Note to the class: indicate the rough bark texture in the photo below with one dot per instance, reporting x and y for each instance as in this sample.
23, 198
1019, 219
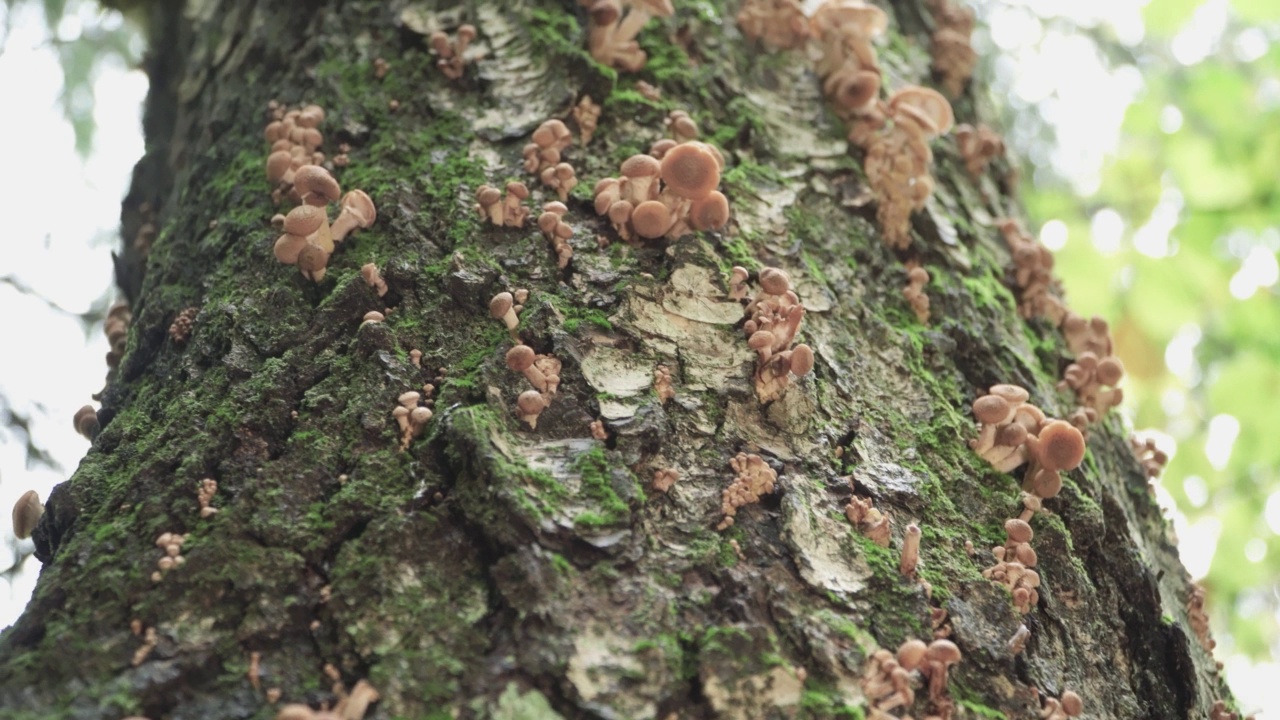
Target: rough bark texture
490, 571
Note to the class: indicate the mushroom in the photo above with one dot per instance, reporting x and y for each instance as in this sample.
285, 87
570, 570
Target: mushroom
315, 186
311, 223
502, 307
529, 406
521, 359
910, 551
26, 513
357, 211
312, 261
690, 170
1059, 446
86, 422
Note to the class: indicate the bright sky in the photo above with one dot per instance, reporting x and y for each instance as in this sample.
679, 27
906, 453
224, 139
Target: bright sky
60, 227
62, 211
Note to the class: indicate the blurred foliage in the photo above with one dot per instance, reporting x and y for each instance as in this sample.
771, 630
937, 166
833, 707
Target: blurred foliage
1185, 227
85, 37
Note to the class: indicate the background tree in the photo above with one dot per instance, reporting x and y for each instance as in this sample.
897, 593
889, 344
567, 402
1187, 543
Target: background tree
494, 568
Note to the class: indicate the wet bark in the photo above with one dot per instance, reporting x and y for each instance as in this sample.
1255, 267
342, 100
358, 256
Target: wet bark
494, 571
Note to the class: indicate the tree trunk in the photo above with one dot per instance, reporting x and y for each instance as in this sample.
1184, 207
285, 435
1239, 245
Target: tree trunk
493, 571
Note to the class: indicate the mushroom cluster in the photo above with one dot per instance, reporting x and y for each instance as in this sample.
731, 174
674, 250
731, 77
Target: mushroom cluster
1094, 381
295, 139
847, 63
1013, 432
411, 416
953, 57
779, 24
587, 114
888, 680
868, 519
664, 478
978, 146
614, 25
451, 54
26, 514
204, 496
917, 278
171, 543
1198, 617
503, 210
738, 288
543, 373
667, 197
308, 238
554, 228
1014, 561
898, 158
543, 151
1039, 292
1068, 706
180, 328
1151, 458
754, 478
773, 319
116, 328
662, 385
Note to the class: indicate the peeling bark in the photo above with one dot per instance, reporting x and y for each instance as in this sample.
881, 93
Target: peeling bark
496, 572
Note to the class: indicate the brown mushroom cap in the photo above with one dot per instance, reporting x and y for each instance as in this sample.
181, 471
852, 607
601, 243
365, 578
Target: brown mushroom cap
775, 281
1072, 705
605, 12
500, 304
710, 212
1061, 446
760, 340
531, 402
520, 358
928, 102
1018, 530
304, 220
651, 219
801, 359
278, 163
1012, 393
487, 195
549, 132
288, 247
313, 259
912, 653
361, 205
991, 409
856, 91
26, 513
690, 170
638, 166
518, 189
1110, 370
1011, 435
316, 186
944, 651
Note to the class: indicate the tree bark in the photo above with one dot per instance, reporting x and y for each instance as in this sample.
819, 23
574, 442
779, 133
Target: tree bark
491, 571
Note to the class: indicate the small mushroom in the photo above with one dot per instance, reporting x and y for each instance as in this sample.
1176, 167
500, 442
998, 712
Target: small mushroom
357, 211
502, 307
521, 359
26, 514
529, 406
